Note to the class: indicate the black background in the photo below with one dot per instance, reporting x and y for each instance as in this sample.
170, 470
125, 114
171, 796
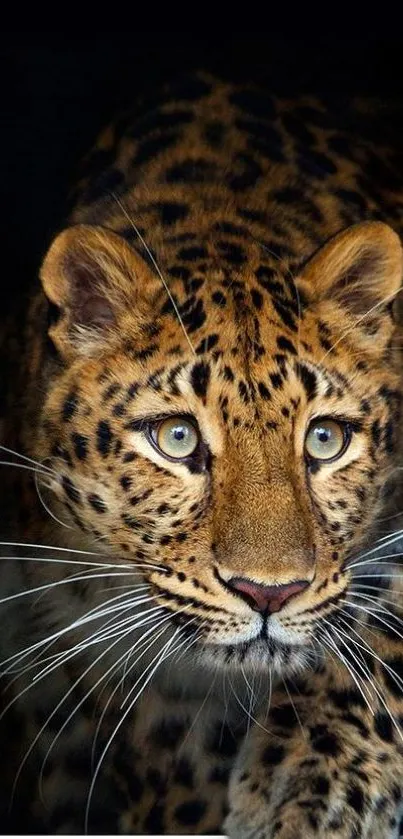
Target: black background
58, 92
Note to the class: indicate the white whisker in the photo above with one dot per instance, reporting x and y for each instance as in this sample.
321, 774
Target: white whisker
372, 680
86, 696
153, 668
27, 459
367, 648
157, 268
44, 505
344, 334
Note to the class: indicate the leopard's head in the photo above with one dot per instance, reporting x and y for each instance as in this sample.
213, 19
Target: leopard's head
234, 438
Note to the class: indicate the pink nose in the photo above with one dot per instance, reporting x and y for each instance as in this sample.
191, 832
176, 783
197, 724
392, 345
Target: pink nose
266, 598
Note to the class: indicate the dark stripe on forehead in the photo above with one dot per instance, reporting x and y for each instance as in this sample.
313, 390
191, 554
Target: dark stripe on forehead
199, 379
308, 380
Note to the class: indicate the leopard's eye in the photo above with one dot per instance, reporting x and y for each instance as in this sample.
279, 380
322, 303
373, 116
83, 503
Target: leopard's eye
176, 438
326, 439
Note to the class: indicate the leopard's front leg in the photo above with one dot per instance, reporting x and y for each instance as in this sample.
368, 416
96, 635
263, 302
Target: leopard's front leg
323, 765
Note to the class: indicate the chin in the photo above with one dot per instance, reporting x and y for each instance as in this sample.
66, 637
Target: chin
259, 655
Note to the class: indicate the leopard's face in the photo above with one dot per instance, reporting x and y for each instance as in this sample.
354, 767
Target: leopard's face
244, 474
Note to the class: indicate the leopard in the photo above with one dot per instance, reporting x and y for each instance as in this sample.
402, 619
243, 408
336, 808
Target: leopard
203, 398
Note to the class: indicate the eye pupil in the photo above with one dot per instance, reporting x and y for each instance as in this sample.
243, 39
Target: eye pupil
175, 438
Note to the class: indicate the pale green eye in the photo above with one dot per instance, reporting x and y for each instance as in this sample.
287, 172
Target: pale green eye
326, 439
176, 438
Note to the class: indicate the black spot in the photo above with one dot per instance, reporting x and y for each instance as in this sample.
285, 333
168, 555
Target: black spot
267, 278
264, 391
133, 390
383, 726
219, 298
286, 345
231, 252
97, 503
345, 698
389, 443
228, 374
80, 444
110, 391
219, 775
320, 785
71, 490
355, 798
119, 410
154, 822
352, 719
192, 254
308, 379
70, 406
223, 742
129, 457
324, 741
297, 198
199, 378
183, 773
284, 716
231, 228
207, 344
146, 353
171, 211
104, 438
195, 317
243, 392
273, 755
283, 310
257, 298
148, 149
245, 173
276, 380
191, 812
131, 522
192, 171
263, 138
353, 199
317, 164
59, 451
168, 733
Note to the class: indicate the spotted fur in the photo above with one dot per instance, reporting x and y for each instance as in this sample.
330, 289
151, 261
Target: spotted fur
235, 259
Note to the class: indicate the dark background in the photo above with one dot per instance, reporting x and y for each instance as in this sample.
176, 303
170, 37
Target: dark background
58, 92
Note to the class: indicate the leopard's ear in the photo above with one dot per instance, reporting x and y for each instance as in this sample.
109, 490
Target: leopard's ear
360, 269
93, 278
